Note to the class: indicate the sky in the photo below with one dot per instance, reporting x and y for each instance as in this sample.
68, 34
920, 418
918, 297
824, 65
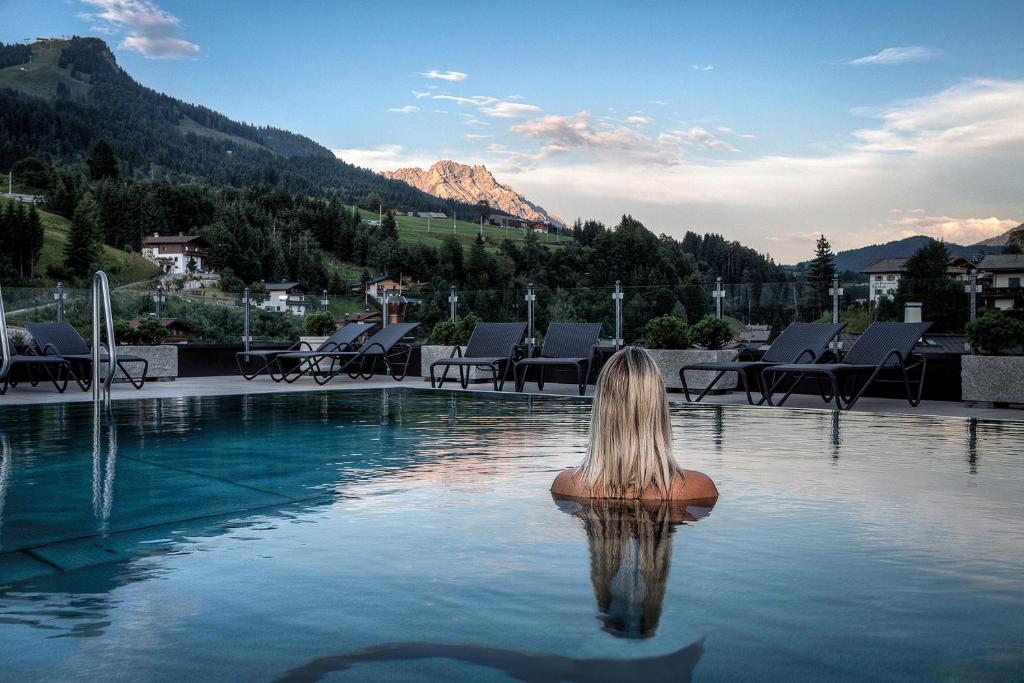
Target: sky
767, 122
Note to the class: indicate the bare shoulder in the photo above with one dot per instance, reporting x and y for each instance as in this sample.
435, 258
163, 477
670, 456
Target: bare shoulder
567, 483
694, 485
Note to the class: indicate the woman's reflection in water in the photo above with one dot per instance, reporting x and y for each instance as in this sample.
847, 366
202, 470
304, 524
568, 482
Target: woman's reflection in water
630, 555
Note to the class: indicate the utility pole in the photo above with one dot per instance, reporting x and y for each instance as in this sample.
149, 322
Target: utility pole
428, 222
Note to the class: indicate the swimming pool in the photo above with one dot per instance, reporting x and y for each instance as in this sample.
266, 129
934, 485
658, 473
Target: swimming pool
409, 535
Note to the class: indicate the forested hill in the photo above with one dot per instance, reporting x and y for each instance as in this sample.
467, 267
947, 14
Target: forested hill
57, 97
857, 259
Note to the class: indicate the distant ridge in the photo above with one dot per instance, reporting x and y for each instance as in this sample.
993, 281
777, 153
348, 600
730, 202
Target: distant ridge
857, 259
451, 180
1000, 240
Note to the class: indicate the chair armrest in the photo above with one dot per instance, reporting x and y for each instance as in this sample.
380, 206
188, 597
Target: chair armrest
297, 346
56, 351
808, 352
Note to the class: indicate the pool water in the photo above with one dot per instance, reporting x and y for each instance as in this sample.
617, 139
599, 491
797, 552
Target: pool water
410, 535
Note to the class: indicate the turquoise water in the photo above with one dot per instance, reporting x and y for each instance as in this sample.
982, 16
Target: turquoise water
410, 535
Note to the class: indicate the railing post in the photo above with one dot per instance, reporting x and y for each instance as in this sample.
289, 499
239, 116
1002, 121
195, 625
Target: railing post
835, 291
325, 301
158, 299
5, 342
247, 319
384, 308
453, 304
59, 296
101, 297
719, 295
617, 298
530, 298
972, 290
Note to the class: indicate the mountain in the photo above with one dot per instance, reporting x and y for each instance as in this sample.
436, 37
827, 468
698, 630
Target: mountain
57, 97
857, 259
1000, 240
452, 180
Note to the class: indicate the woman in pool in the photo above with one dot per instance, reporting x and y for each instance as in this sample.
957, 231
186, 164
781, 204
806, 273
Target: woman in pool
630, 453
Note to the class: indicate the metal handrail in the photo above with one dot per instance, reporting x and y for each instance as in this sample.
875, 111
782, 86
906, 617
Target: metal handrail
101, 288
5, 342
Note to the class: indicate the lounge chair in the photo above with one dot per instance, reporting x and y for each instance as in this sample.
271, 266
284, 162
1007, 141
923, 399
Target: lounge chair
384, 345
565, 345
798, 343
883, 346
63, 340
56, 368
343, 339
491, 346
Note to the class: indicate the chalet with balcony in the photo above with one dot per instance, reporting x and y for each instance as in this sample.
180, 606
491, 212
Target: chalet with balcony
285, 297
1003, 275
884, 275
177, 254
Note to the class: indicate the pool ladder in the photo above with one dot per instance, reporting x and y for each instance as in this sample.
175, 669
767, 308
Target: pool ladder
101, 295
5, 342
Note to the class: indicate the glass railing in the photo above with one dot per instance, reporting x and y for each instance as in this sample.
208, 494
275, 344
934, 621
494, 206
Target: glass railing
213, 316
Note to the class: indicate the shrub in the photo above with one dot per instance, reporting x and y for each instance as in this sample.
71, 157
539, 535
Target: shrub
448, 333
995, 333
666, 332
710, 333
149, 332
320, 324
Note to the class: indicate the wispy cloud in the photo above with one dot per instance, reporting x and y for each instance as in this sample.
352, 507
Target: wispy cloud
510, 110
474, 122
407, 109
419, 94
475, 100
660, 103
949, 228
638, 120
730, 131
444, 75
146, 29
477, 136
897, 55
702, 67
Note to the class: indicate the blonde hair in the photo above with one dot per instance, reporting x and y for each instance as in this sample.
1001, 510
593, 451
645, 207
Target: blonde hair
630, 432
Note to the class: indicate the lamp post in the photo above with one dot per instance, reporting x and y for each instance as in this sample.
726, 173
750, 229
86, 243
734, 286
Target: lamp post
719, 295
617, 297
325, 301
247, 320
60, 296
384, 308
453, 303
158, 299
835, 291
531, 297
973, 289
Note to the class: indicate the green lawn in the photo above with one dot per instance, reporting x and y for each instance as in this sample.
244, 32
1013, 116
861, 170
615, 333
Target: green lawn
121, 267
413, 230
41, 75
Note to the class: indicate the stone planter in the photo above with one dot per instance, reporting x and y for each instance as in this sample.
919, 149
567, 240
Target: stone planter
988, 380
314, 342
669, 361
432, 353
163, 362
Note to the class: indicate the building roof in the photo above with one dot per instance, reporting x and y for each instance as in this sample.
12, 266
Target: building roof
381, 278
278, 286
173, 239
1003, 262
886, 265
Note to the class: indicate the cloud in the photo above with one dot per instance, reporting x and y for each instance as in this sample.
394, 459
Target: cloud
474, 122
954, 156
639, 120
407, 109
444, 75
695, 137
660, 103
702, 67
897, 55
730, 131
950, 229
420, 94
510, 110
150, 31
477, 136
475, 100
385, 157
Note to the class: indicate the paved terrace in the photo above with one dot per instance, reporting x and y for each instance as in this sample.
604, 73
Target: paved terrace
228, 385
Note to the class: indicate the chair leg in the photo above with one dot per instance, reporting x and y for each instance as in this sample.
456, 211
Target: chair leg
504, 375
579, 380
519, 377
540, 378
746, 386
711, 384
682, 380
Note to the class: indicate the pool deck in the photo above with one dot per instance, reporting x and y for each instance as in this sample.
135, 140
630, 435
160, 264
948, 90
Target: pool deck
229, 385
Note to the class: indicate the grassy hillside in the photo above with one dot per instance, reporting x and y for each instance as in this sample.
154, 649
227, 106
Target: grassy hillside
40, 76
121, 267
413, 230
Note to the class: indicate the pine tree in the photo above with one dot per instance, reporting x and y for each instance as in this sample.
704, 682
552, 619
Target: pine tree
35, 235
821, 273
82, 249
102, 162
389, 227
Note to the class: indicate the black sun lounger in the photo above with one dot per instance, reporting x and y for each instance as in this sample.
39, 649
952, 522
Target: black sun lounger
343, 339
565, 345
63, 340
385, 345
882, 347
491, 346
799, 343
27, 365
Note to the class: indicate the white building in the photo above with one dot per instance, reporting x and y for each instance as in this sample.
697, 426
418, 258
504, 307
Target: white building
285, 297
884, 277
177, 254
1004, 275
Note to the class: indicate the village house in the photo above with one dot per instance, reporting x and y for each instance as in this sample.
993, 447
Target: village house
285, 297
884, 274
378, 284
177, 254
1003, 275
177, 330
